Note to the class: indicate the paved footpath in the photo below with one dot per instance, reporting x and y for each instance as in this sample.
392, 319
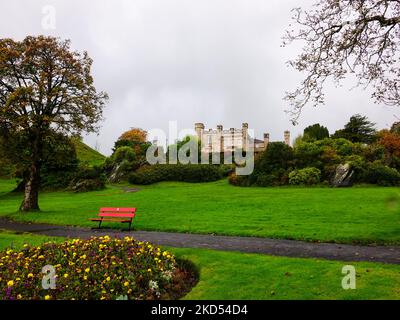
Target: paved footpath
275, 247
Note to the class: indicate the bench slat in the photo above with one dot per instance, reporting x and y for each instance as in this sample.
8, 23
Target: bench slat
122, 210
112, 214
110, 220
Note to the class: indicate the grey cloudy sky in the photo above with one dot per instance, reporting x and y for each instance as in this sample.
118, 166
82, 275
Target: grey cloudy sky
211, 61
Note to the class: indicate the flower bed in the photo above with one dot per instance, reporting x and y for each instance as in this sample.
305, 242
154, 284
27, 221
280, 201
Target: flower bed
101, 268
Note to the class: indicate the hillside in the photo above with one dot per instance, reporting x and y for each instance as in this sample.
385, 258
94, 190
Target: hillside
87, 154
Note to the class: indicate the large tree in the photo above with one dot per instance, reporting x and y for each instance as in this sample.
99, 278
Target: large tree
45, 87
342, 37
358, 129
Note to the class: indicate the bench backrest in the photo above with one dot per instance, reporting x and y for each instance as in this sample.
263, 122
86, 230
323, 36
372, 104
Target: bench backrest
117, 212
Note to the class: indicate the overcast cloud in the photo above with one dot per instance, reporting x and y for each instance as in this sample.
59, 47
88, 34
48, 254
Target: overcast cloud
211, 61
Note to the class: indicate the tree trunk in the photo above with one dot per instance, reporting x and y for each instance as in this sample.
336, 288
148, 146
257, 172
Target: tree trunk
31, 194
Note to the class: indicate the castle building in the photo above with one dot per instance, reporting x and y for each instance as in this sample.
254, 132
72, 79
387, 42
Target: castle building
227, 140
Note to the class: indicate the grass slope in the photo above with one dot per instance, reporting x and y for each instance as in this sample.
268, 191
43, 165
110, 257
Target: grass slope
364, 215
87, 154
231, 275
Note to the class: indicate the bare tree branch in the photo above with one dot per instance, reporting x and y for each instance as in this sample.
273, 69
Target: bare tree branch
342, 37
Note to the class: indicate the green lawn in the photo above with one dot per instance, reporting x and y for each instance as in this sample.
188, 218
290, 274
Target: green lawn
231, 275
363, 214
10, 239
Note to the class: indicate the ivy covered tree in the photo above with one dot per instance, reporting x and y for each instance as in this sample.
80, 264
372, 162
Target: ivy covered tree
358, 129
45, 88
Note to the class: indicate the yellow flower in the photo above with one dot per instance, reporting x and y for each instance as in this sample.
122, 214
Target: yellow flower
149, 270
126, 283
66, 275
103, 298
84, 277
10, 283
47, 297
87, 270
108, 279
19, 297
41, 257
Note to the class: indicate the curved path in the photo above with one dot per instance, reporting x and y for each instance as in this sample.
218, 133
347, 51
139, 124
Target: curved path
276, 247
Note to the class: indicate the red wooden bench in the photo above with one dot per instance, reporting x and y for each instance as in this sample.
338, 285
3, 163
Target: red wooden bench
124, 215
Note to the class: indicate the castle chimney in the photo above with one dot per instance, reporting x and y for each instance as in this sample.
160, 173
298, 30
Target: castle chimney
287, 137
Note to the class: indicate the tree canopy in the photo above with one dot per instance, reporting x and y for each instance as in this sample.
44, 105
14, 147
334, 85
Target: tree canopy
315, 132
358, 129
45, 88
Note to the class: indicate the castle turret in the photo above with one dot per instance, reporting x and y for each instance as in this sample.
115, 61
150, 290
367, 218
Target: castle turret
245, 135
266, 140
287, 137
199, 128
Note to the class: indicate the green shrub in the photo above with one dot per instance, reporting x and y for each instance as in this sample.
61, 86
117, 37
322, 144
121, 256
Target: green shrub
124, 153
56, 179
359, 165
88, 179
178, 172
121, 164
307, 176
240, 181
377, 173
266, 180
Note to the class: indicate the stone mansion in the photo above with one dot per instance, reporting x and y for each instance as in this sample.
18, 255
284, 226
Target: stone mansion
223, 140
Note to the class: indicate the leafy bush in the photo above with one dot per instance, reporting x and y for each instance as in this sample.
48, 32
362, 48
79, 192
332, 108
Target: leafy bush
307, 176
96, 269
266, 180
7, 169
240, 181
342, 146
88, 179
308, 154
60, 163
124, 154
377, 173
122, 163
178, 172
